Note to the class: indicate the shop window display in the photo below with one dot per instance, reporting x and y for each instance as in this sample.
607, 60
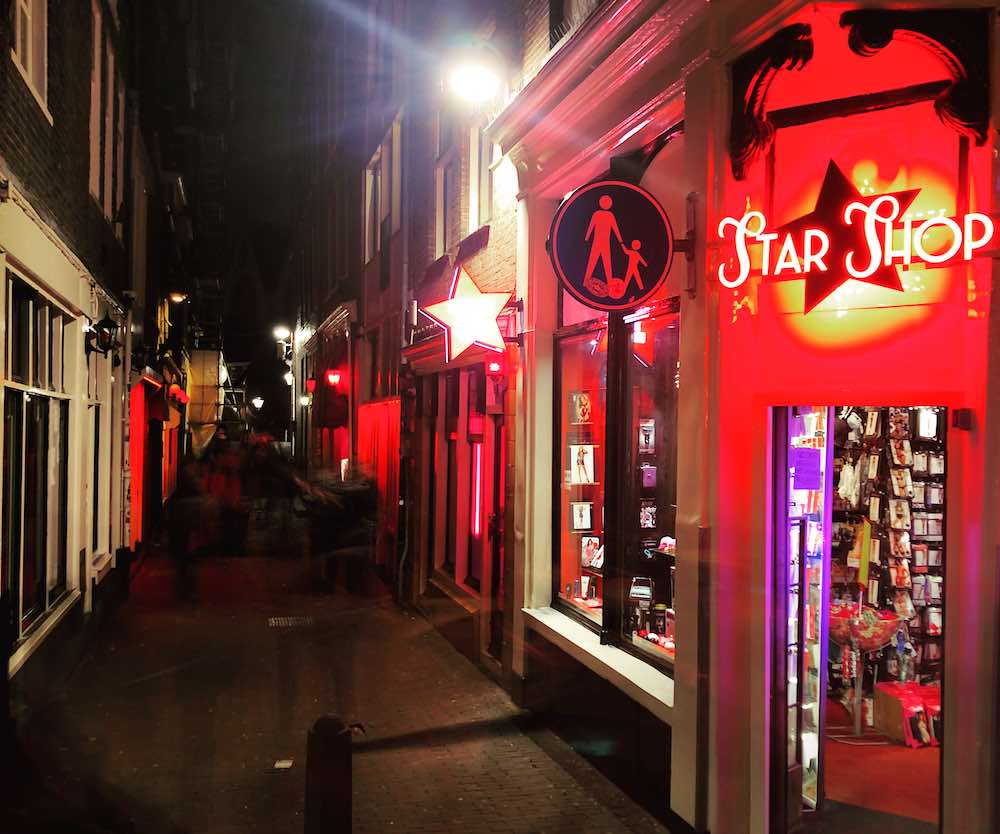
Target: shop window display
581, 362
639, 431
649, 526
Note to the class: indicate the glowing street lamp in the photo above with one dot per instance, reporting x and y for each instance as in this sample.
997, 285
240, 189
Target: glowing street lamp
177, 297
282, 333
474, 72
289, 378
257, 402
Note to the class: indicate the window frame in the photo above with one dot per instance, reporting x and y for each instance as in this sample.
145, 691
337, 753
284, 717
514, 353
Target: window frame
33, 16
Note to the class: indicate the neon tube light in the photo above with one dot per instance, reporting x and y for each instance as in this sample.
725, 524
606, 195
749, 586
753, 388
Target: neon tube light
476, 523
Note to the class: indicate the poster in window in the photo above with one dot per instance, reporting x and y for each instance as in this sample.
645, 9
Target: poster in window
580, 409
590, 547
647, 515
581, 515
647, 435
581, 464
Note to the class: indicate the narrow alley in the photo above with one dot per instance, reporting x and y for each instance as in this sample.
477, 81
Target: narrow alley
175, 719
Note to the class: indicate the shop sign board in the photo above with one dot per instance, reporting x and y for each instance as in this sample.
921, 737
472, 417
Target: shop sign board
847, 236
611, 245
468, 316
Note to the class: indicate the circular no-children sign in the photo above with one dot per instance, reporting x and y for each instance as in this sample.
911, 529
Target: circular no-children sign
611, 245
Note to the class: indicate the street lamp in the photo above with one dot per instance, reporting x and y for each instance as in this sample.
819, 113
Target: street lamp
257, 402
289, 378
474, 71
282, 333
177, 297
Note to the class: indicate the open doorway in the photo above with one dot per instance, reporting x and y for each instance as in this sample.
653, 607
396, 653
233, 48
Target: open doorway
859, 535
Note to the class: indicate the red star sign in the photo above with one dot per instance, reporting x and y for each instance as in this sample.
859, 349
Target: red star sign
828, 215
469, 316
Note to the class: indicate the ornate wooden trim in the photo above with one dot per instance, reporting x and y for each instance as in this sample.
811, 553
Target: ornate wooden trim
750, 134
959, 38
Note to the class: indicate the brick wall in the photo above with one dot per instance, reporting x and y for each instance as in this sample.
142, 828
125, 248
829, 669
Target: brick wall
49, 162
534, 34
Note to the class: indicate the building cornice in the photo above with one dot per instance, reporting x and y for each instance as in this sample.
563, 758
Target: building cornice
623, 70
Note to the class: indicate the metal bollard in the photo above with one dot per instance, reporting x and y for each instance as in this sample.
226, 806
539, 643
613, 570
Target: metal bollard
328, 777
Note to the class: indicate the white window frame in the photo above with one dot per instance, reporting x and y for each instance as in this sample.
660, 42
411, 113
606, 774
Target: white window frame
32, 56
372, 204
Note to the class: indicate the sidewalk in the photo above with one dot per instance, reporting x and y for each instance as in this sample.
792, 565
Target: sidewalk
174, 721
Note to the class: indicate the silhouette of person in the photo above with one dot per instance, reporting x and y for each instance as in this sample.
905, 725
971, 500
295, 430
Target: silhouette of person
602, 224
634, 259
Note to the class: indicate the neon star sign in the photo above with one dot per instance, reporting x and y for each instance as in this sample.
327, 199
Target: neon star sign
469, 316
849, 236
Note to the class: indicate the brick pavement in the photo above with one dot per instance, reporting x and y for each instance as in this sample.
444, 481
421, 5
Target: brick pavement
173, 721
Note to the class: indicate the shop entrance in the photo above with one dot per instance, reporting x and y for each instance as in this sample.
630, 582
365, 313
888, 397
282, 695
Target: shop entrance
859, 546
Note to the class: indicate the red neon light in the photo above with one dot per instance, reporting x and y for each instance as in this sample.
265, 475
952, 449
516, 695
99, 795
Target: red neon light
332, 378
476, 522
851, 236
311, 385
469, 316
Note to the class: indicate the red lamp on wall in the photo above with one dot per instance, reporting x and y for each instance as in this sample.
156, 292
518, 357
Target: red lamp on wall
311, 385
333, 378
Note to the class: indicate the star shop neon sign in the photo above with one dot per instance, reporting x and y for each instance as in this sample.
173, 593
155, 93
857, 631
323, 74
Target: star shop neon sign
847, 236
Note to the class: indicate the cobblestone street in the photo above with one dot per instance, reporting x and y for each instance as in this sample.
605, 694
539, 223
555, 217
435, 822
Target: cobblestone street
174, 720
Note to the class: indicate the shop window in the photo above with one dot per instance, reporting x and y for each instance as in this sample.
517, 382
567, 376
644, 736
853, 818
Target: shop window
635, 426
581, 368
649, 528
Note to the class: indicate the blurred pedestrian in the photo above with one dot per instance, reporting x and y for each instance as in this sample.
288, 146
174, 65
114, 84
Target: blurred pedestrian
184, 517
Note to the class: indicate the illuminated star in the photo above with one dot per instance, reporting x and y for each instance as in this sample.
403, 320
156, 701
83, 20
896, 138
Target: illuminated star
828, 215
469, 316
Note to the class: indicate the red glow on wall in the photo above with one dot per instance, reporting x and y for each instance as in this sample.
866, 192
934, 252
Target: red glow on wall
137, 457
477, 489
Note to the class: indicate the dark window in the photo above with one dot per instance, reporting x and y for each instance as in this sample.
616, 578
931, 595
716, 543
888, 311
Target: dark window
20, 337
36, 436
10, 539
